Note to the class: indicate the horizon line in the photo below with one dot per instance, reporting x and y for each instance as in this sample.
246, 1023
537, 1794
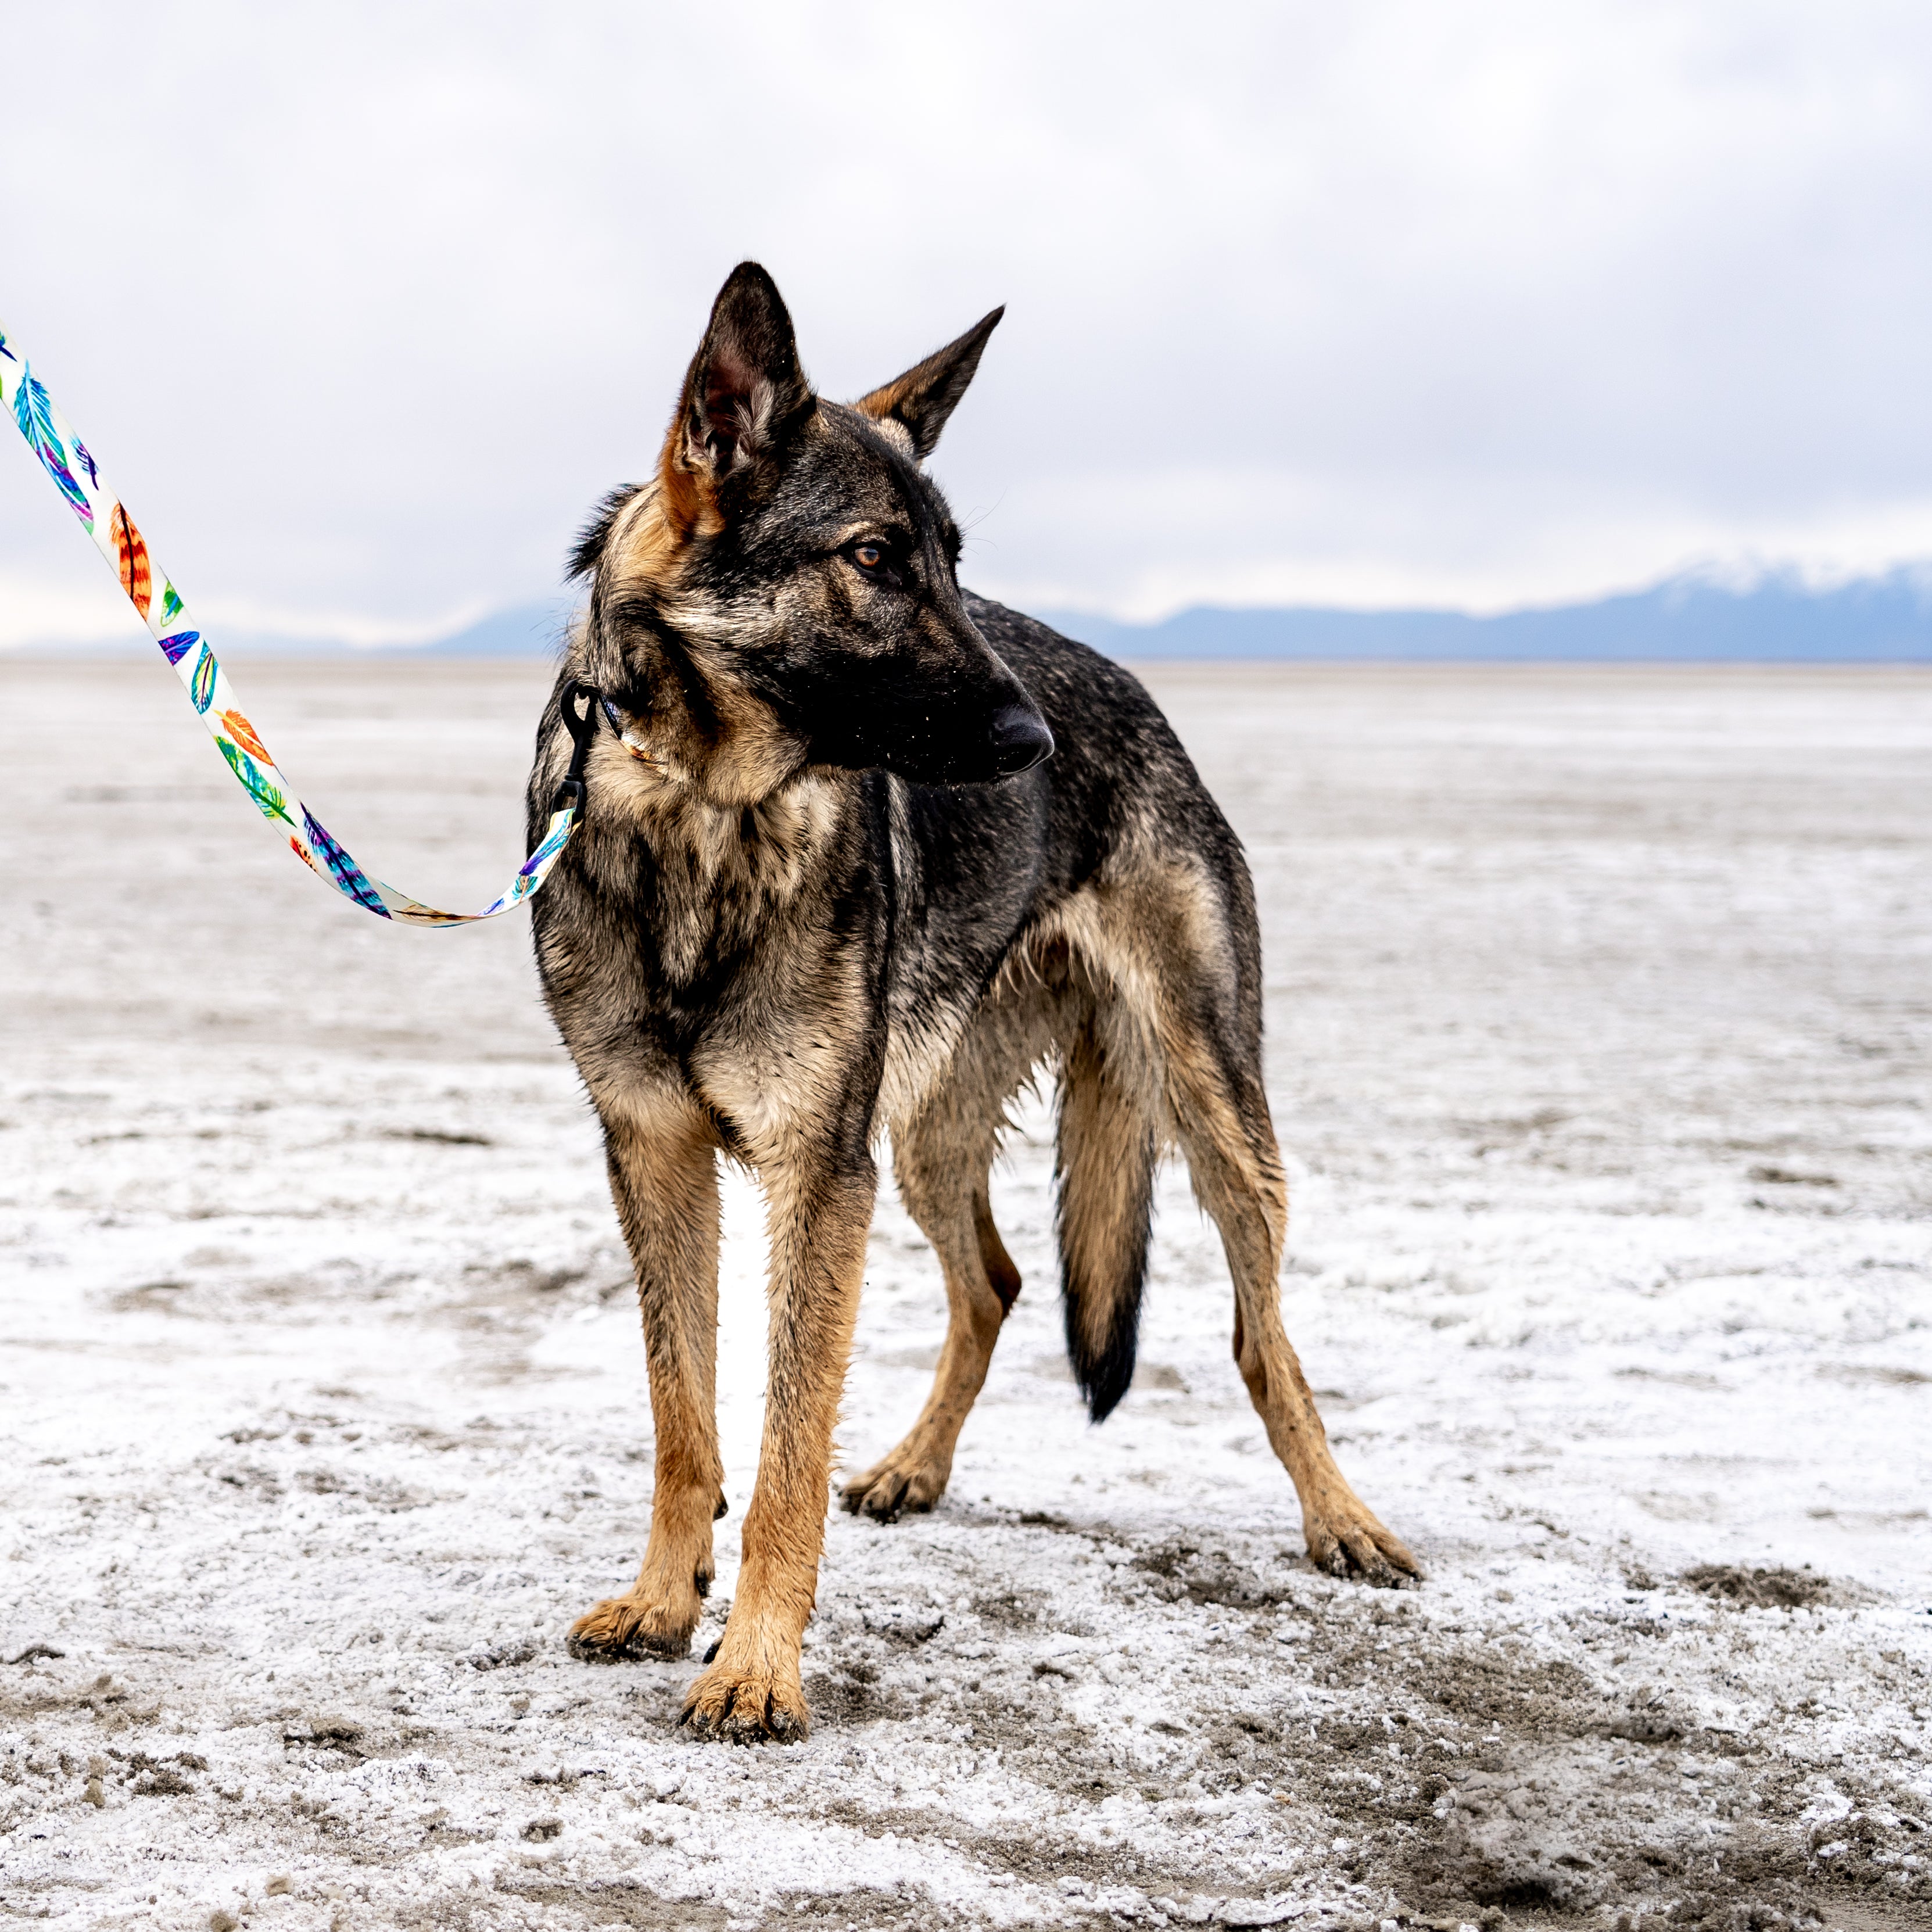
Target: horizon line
1727, 582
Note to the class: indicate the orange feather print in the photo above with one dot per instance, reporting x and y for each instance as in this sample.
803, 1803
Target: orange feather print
243, 732
132, 551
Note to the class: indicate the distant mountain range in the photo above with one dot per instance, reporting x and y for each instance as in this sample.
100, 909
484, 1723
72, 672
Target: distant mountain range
1774, 618
1777, 618
526, 631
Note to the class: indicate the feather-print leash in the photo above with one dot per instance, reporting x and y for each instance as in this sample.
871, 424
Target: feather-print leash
77, 477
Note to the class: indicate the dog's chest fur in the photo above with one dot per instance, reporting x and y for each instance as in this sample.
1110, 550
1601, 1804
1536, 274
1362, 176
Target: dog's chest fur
778, 959
718, 883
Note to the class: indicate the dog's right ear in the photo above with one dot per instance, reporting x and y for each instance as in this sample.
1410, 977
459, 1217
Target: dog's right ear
744, 395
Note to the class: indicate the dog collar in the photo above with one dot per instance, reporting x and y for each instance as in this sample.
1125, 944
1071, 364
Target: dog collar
626, 736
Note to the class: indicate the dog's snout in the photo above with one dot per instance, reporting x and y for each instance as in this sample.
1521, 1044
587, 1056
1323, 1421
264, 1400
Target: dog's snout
1020, 739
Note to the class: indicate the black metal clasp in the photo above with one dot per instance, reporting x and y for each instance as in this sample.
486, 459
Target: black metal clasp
582, 726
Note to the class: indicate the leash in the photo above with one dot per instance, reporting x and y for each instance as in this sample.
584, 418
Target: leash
68, 460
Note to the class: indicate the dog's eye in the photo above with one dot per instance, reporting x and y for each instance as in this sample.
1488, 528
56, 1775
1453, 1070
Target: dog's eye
868, 556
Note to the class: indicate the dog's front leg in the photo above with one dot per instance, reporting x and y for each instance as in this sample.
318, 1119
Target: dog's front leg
818, 1216
664, 1179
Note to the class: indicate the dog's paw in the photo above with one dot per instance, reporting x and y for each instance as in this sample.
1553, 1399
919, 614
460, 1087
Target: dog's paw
1346, 1539
622, 1628
737, 1705
902, 1482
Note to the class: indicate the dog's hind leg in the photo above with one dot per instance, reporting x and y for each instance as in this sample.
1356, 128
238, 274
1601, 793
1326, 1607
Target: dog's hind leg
664, 1179
941, 1156
1220, 1111
941, 1164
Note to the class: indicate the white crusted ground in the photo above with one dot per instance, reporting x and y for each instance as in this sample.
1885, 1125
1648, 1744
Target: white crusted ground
1600, 1023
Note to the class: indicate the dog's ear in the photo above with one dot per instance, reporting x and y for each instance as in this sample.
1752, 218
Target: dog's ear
922, 399
744, 395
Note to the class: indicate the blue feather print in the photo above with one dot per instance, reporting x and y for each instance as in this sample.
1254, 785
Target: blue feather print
33, 411
529, 877
346, 872
178, 647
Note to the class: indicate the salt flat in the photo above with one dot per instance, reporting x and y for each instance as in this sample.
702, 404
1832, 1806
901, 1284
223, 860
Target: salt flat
1599, 1032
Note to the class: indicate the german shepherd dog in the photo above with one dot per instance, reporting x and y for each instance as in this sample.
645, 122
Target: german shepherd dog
863, 851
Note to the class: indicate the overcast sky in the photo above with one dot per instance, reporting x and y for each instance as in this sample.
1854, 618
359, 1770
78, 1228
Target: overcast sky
360, 307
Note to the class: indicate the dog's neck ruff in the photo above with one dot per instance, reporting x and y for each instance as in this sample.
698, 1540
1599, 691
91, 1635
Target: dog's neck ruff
68, 460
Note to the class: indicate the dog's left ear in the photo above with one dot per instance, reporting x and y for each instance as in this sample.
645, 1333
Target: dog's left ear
922, 399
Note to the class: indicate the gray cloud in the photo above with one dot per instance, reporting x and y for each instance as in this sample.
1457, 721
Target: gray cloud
362, 306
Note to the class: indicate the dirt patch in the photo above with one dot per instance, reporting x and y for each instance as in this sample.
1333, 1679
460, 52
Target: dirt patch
1010, 1610
1506, 1688
617, 1902
1177, 1568
1760, 1588
849, 1694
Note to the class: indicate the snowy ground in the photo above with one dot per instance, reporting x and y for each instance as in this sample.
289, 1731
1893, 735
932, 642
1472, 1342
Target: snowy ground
1600, 1027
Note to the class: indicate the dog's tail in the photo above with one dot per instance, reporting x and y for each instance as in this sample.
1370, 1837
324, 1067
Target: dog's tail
1108, 1142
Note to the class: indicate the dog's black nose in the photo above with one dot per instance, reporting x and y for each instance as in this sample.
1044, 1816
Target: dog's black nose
1019, 740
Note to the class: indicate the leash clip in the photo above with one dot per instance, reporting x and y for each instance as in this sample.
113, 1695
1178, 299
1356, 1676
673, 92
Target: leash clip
582, 727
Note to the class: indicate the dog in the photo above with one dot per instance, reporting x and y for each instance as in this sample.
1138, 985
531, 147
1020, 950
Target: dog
862, 852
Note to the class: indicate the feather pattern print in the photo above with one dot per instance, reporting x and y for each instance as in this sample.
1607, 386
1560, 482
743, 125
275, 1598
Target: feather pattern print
269, 798
132, 555
201, 686
531, 874
33, 410
243, 732
71, 465
347, 874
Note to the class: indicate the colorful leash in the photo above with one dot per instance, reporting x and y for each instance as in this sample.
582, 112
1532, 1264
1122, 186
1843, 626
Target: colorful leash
66, 460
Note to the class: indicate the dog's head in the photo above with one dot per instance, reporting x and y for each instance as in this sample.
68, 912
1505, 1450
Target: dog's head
783, 592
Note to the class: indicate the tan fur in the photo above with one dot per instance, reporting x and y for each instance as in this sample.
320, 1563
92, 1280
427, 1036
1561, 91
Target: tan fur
743, 763
817, 1238
648, 543
664, 1179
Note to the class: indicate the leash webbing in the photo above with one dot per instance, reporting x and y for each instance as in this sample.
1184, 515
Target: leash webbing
68, 460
